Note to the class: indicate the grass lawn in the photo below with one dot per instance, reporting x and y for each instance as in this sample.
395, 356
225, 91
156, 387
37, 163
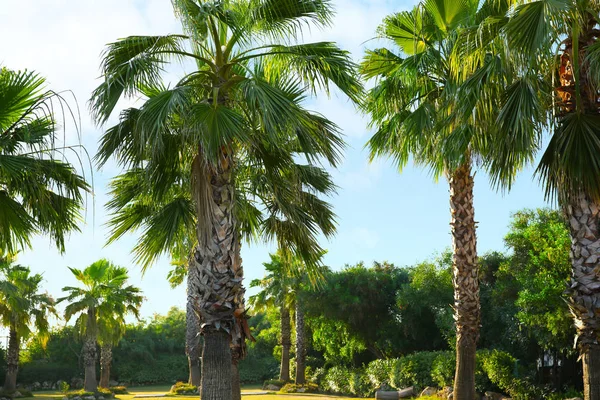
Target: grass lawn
247, 392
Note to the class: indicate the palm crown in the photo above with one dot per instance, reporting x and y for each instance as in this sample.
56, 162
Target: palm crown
38, 192
440, 99
22, 306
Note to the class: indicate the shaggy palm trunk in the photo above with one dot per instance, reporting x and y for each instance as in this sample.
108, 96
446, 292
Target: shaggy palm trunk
238, 338
89, 353
284, 371
465, 280
105, 361
583, 214
12, 361
192, 331
300, 344
216, 286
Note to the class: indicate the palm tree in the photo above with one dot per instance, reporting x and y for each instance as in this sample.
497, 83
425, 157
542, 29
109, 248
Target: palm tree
111, 323
241, 106
94, 303
276, 292
569, 167
38, 192
22, 307
437, 101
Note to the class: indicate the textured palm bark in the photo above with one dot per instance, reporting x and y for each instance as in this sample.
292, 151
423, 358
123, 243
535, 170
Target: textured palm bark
216, 287
238, 337
89, 353
216, 365
300, 345
584, 290
105, 362
465, 280
192, 332
12, 361
286, 343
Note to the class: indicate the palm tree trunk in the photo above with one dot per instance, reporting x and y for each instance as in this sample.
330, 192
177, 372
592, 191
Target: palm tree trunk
215, 286
192, 333
465, 280
216, 366
300, 345
238, 339
582, 214
105, 361
12, 361
284, 372
89, 353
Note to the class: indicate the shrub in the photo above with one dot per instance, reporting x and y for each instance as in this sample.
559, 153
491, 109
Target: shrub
119, 390
106, 393
414, 370
442, 369
306, 388
78, 393
379, 372
183, 388
64, 387
274, 382
10, 394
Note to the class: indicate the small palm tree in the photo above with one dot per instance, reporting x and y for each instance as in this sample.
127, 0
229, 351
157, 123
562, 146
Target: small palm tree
438, 101
276, 292
111, 323
102, 300
39, 193
22, 307
570, 167
240, 106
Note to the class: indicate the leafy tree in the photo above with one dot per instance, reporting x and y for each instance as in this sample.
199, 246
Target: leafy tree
569, 167
38, 192
360, 302
540, 265
22, 307
242, 102
437, 101
102, 300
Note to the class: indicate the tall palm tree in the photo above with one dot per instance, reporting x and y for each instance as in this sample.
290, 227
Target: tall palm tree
39, 193
95, 303
241, 106
277, 292
437, 100
112, 324
22, 307
570, 167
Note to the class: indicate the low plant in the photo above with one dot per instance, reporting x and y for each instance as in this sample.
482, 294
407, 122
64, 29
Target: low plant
15, 394
119, 390
183, 388
64, 387
305, 388
273, 382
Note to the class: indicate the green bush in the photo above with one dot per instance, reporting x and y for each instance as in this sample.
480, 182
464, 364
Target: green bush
379, 372
183, 388
442, 369
78, 393
10, 394
42, 371
306, 388
106, 393
414, 370
119, 390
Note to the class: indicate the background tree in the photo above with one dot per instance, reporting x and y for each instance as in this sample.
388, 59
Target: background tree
39, 192
22, 307
276, 292
569, 167
111, 322
243, 102
437, 103
102, 288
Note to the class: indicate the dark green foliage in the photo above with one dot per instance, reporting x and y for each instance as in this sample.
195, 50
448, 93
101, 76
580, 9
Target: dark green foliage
306, 388
183, 388
274, 382
260, 363
10, 394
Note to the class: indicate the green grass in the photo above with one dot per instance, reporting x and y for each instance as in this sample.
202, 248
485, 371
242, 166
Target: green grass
146, 390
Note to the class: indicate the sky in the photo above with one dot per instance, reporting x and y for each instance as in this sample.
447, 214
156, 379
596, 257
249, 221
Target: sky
383, 215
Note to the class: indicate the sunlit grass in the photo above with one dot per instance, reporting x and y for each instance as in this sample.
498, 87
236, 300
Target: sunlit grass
247, 392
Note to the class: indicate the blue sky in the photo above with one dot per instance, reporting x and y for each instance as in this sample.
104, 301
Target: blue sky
383, 215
